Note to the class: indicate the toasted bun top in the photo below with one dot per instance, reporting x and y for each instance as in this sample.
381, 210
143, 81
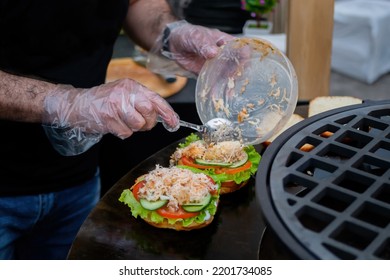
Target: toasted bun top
324, 103
295, 118
318, 105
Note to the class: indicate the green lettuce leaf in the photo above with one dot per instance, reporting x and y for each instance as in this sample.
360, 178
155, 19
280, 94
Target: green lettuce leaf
189, 139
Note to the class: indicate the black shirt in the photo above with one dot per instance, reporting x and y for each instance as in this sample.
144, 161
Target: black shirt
61, 41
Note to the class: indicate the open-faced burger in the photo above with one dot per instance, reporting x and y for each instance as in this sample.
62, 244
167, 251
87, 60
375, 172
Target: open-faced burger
229, 162
174, 198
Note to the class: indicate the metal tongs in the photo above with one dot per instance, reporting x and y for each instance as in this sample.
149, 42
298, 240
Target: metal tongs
215, 130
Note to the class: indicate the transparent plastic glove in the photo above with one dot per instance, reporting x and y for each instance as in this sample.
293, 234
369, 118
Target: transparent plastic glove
76, 119
183, 48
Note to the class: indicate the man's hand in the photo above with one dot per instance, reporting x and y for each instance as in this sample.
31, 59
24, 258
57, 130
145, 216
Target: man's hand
188, 45
120, 108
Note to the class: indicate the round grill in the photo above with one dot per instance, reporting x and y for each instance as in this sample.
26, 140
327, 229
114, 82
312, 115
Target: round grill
324, 184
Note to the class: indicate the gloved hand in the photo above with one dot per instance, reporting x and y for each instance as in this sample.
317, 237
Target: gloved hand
183, 48
75, 119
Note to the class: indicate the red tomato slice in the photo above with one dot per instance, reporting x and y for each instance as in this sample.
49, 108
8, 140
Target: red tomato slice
211, 180
228, 170
212, 192
136, 188
190, 162
179, 214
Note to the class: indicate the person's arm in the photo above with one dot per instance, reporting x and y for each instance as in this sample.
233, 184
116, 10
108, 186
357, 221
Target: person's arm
75, 117
146, 20
119, 107
21, 98
188, 46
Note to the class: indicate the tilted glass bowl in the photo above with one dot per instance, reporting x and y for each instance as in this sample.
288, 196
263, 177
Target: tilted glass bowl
252, 84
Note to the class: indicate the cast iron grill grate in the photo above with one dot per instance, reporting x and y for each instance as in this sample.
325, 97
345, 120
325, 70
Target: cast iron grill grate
324, 184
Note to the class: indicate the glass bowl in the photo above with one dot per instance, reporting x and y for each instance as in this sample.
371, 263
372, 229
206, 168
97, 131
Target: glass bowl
252, 84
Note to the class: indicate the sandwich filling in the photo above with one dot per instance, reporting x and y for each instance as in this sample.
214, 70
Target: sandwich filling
178, 186
221, 152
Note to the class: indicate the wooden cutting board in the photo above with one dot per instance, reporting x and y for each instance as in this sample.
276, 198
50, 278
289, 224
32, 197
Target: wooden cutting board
120, 68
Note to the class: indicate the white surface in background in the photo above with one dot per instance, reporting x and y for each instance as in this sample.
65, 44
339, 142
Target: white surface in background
361, 39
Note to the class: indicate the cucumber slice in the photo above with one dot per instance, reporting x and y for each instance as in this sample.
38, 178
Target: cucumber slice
196, 207
152, 205
209, 162
240, 162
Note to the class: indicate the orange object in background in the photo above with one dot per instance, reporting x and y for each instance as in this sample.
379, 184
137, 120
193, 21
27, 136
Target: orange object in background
120, 68
309, 45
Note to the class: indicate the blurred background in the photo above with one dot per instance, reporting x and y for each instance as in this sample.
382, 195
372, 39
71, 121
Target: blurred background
360, 56
361, 36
